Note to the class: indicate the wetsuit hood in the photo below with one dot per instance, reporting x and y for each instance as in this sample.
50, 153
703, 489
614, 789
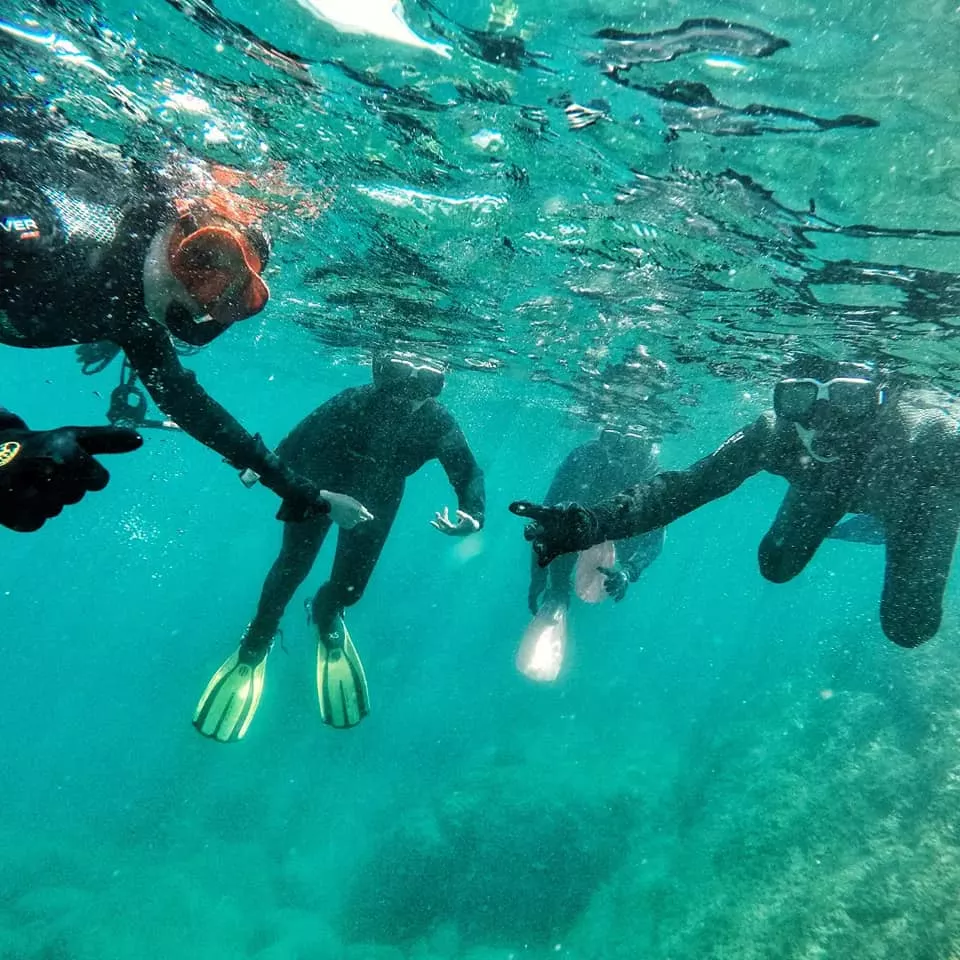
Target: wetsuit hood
202, 271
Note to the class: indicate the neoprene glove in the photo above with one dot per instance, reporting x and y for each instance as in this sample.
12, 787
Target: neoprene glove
565, 528
42, 471
615, 582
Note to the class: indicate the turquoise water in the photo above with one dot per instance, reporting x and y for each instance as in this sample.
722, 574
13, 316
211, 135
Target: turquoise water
726, 768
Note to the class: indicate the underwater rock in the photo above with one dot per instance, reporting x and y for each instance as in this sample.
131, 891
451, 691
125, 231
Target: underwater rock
817, 823
505, 859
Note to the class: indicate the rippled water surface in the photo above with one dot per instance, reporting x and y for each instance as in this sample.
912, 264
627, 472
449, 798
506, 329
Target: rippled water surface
531, 187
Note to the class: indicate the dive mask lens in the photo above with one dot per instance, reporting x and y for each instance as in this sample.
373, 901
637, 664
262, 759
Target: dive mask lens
794, 399
842, 400
853, 398
432, 380
220, 268
418, 380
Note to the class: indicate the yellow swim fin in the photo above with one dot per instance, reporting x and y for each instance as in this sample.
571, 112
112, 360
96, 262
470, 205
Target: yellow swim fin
231, 699
341, 682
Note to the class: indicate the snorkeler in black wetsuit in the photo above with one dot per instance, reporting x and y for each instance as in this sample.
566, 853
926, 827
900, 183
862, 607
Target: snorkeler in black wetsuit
96, 248
591, 472
846, 441
366, 441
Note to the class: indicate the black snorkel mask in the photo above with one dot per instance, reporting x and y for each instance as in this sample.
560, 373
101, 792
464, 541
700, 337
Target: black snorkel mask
829, 408
408, 379
838, 403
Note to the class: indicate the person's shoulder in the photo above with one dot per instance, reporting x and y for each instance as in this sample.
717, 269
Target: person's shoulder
919, 411
350, 398
647, 459
321, 422
586, 452
362, 391
765, 429
926, 400
435, 412
767, 422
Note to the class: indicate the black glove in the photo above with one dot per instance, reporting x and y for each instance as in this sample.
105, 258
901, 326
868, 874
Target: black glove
41, 471
615, 582
565, 528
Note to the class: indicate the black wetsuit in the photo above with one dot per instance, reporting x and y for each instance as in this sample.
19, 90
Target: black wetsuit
903, 469
75, 227
592, 471
365, 443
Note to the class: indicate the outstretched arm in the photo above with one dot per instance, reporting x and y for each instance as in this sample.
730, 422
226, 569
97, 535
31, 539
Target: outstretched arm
180, 396
649, 505
463, 471
42, 471
675, 493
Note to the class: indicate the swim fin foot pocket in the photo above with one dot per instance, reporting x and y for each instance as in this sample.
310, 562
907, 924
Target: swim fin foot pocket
230, 701
341, 681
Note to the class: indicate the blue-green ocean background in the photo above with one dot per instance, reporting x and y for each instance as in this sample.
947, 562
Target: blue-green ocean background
726, 768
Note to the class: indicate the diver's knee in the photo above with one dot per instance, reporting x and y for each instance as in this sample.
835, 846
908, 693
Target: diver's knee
905, 636
776, 564
909, 630
911, 619
335, 597
349, 595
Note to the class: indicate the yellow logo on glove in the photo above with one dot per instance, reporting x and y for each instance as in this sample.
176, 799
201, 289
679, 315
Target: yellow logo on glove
8, 452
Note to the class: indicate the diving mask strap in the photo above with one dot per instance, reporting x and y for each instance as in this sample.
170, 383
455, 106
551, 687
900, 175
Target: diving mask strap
807, 437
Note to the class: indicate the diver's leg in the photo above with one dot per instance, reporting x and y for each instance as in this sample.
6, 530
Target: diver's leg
232, 697
804, 520
301, 544
357, 553
920, 546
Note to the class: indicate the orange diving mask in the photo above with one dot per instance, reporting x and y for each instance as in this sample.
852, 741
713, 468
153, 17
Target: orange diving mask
219, 264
